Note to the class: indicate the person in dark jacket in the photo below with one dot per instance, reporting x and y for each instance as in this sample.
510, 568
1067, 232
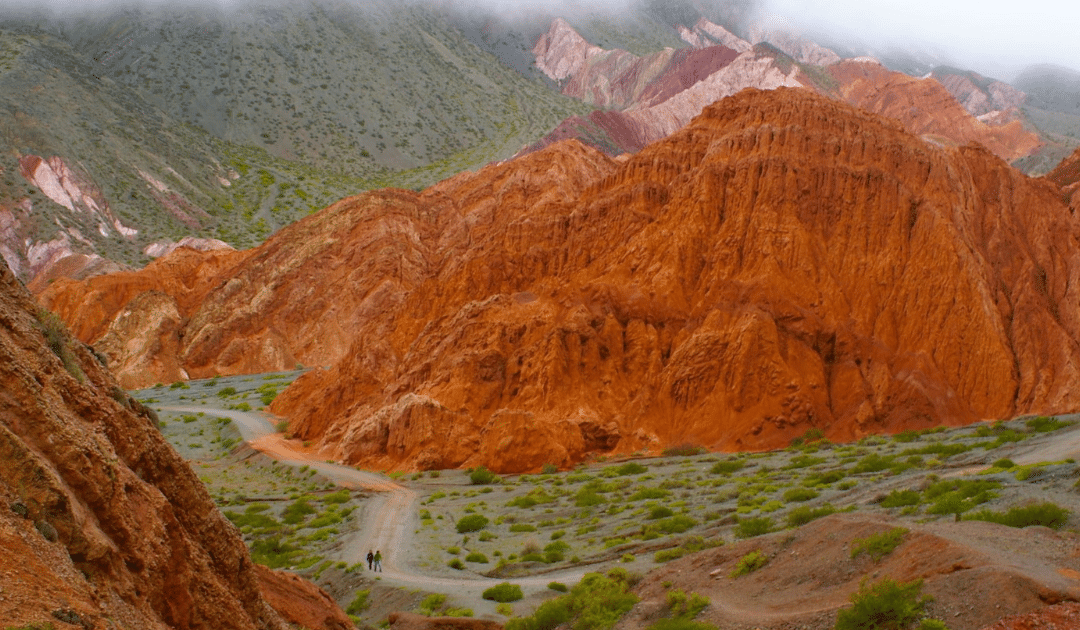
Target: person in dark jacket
370, 559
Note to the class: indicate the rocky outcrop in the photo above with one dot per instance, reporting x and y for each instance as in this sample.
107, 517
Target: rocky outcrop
705, 34
659, 94
925, 107
300, 602
1067, 176
784, 262
979, 95
101, 523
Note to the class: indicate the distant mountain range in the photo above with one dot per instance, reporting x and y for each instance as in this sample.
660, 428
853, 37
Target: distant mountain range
124, 132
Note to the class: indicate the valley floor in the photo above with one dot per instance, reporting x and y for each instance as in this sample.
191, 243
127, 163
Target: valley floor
805, 508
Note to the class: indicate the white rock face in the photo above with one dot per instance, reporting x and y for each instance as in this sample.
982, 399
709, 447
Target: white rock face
157, 250
748, 70
705, 34
795, 46
562, 52
57, 182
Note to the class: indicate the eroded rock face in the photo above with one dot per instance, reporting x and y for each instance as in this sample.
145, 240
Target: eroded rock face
99, 518
656, 95
784, 262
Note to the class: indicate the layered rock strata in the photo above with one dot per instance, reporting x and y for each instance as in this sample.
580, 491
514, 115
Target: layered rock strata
102, 524
784, 262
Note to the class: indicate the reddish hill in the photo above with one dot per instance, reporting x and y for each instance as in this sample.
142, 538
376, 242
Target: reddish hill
1067, 176
784, 262
102, 524
658, 94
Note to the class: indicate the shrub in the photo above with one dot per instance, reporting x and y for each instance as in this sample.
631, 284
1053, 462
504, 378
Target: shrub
595, 603
506, 610
1046, 514
671, 525
629, 468
360, 603
660, 512
557, 586
522, 527
756, 526
534, 497
824, 479
456, 563
226, 391
1043, 424
805, 461
727, 466
649, 493
749, 563
472, 523
549, 469
800, 494
432, 603
901, 498
886, 605
804, 514
503, 593
477, 557
296, 511
683, 606
588, 497
684, 450
690, 545
1004, 464
955, 496
678, 623
877, 546
482, 476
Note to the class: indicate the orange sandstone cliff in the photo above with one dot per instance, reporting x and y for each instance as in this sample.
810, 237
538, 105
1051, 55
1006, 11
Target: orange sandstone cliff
100, 519
784, 262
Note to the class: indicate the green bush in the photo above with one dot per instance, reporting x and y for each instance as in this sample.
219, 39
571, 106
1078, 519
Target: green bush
804, 514
522, 527
227, 391
683, 606
557, 586
456, 563
877, 546
549, 469
504, 593
678, 623
749, 563
629, 468
755, 526
690, 545
886, 605
296, 511
477, 557
660, 512
432, 603
1043, 424
727, 467
800, 494
482, 476
588, 497
649, 493
671, 525
1046, 514
360, 603
472, 523
1004, 464
595, 603
901, 498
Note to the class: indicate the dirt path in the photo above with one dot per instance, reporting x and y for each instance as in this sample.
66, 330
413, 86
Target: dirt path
387, 519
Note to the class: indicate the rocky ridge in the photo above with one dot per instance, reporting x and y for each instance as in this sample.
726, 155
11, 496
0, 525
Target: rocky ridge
784, 262
659, 94
100, 518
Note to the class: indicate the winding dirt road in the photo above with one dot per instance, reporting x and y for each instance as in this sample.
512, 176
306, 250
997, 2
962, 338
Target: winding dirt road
387, 519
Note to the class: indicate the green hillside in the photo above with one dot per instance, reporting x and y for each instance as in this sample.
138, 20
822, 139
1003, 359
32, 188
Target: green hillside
249, 120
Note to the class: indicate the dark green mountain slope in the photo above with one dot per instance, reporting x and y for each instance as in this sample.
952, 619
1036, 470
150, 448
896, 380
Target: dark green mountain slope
231, 126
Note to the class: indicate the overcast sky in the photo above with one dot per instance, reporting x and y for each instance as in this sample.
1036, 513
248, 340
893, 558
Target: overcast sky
995, 37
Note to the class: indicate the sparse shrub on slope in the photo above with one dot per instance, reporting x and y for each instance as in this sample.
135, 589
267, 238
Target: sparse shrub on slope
1046, 514
595, 603
885, 605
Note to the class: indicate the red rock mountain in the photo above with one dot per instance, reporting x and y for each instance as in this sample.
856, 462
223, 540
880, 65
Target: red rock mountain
651, 97
784, 262
99, 517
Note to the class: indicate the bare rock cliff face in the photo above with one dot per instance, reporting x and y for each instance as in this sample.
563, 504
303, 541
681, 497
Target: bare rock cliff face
783, 262
99, 517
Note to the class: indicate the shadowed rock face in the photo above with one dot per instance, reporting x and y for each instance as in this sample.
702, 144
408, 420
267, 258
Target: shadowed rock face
99, 517
784, 262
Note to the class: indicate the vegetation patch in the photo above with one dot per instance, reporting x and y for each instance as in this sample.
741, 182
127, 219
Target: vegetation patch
749, 563
1045, 514
877, 546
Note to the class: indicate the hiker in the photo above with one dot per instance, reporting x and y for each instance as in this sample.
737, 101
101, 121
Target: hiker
378, 560
370, 559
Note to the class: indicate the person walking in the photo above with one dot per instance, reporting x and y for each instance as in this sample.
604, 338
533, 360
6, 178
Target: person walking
370, 559
378, 560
